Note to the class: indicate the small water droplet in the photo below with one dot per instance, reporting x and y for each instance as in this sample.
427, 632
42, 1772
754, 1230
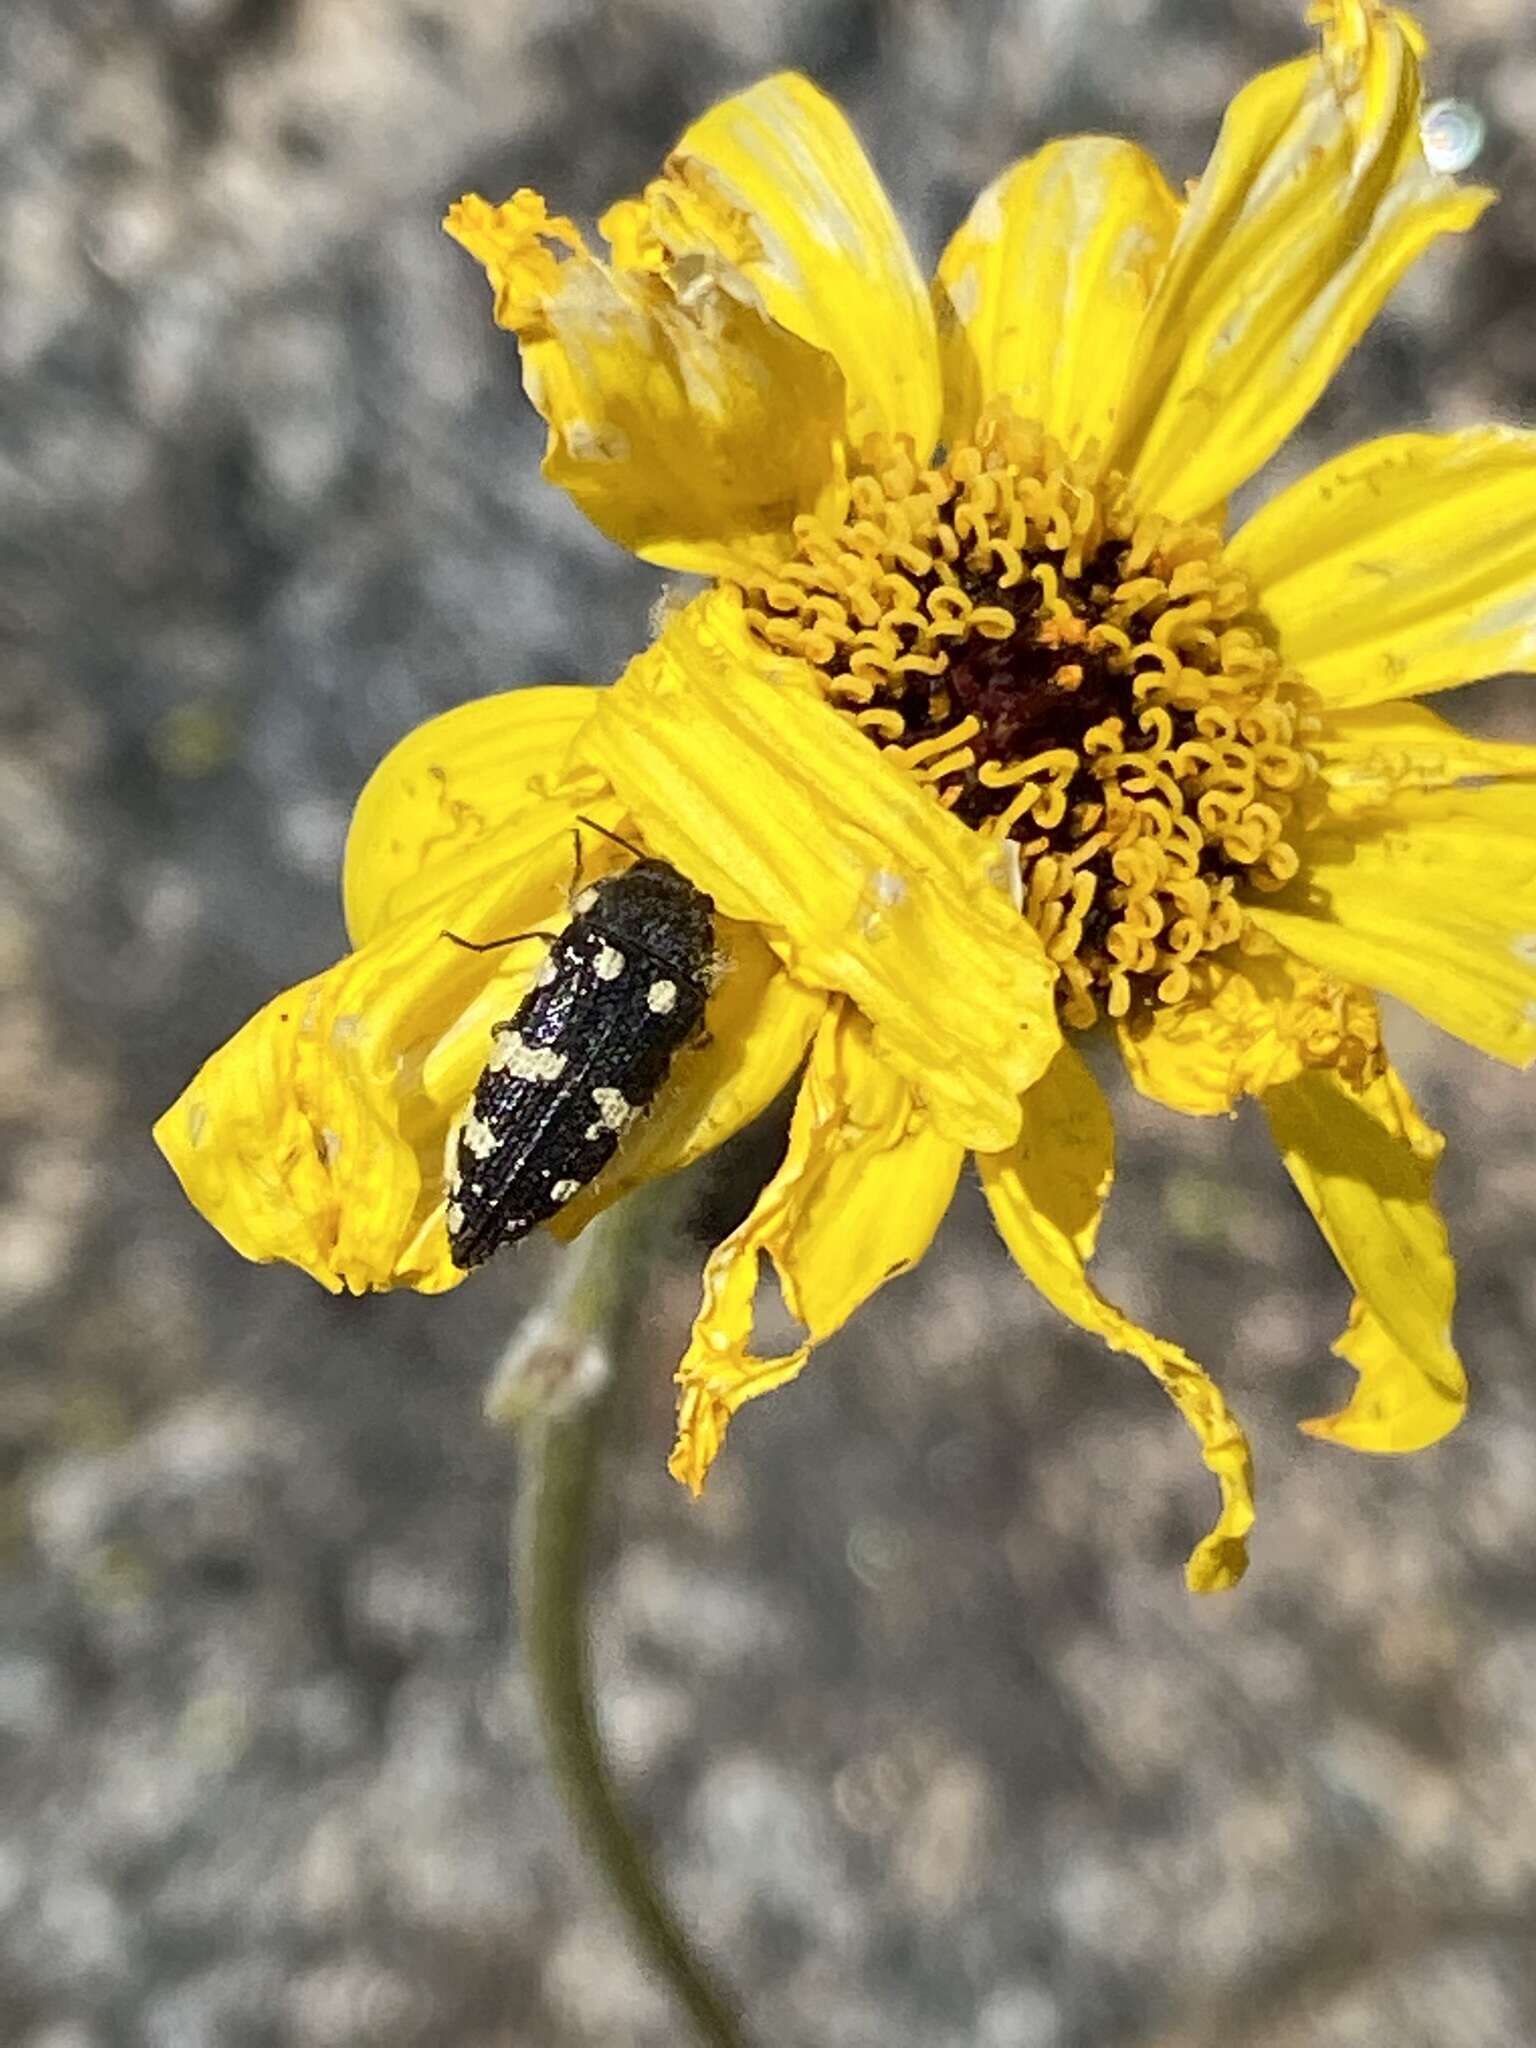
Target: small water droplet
1452, 133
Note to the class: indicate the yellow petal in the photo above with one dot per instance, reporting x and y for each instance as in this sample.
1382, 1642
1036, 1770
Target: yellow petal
1369, 756
1431, 898
316, 1134
446, 785
1250, 1021
1365, 1166
1407, 565
864, 1183
771, 187
757, 1027
1041, 293
1047, 1195
684, 422
1315, 201
792, 820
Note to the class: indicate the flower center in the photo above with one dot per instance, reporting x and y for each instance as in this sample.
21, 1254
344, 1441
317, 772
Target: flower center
1066, 672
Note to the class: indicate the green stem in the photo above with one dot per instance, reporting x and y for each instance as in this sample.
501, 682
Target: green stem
567, 1358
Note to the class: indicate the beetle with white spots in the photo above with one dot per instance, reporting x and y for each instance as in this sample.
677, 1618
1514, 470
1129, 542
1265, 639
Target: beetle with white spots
622, 991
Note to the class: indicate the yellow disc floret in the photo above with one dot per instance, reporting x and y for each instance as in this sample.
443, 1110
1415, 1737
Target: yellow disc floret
1069, 672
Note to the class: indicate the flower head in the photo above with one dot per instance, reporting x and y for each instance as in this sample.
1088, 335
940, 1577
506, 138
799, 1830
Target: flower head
987, 733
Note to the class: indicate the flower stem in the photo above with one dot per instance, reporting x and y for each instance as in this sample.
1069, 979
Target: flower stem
556, 1385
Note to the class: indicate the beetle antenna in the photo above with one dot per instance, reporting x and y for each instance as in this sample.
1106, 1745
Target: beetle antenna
617, 837
491, 945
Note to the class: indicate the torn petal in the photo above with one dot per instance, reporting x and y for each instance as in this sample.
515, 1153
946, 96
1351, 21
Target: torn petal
864, 1183
1316, 199
1047, 1194
772, 188
1364, 1162
685, 423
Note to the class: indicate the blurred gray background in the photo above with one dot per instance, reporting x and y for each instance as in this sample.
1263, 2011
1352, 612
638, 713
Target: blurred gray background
930, 1742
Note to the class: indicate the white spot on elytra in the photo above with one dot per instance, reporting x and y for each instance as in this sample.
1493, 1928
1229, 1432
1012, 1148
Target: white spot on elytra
525, 1062
613, 1111
584, 902
661, 998
454, 1218
609, 964
478, 1137
563, 1190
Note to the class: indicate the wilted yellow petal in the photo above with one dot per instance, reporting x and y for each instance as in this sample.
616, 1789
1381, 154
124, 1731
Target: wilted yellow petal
1365, 1166
791, 819
1368, 757
1406, 565
1315, 201
771, 187
262, 1164
1047, 1194
1041, 293
757, 1027
864, 1183
684, 422
447, 785
316, 1134
1431, 898
1250, 1021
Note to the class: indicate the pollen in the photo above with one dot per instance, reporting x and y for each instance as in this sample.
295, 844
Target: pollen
1069, 672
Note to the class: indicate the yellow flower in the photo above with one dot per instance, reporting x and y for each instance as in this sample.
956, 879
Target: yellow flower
985, 731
